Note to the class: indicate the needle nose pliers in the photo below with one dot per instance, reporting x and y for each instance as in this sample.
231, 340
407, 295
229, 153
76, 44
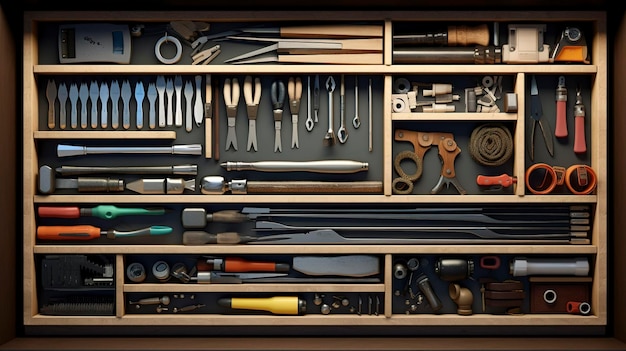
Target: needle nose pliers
536, 112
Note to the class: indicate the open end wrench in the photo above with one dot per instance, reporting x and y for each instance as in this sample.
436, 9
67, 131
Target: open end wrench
329, 138
342, 132
356, 121
309, 124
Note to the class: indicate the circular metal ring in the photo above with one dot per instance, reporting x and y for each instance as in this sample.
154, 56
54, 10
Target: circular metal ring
549, 296
168, 39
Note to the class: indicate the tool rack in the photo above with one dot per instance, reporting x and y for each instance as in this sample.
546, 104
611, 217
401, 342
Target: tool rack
39, 140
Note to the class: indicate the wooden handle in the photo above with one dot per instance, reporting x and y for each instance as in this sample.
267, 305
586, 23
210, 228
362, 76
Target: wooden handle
203, 238
464, 35
332, 31
313, 187
342, 59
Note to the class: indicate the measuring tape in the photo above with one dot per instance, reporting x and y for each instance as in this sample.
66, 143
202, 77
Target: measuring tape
168, 39
541, 178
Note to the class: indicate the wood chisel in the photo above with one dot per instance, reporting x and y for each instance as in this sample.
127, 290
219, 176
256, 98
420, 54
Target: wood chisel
100, 211
208, 114
89, 232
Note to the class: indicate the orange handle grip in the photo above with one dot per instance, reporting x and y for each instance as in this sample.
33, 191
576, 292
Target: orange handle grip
58, 212
68, 232
561, 120
504, 180
580, 145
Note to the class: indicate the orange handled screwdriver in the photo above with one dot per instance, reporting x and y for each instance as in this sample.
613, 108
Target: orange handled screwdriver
236, 264
561, 109
88, 232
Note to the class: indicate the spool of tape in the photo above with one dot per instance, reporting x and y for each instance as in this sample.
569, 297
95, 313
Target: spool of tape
168, 39
399, 105
161, 271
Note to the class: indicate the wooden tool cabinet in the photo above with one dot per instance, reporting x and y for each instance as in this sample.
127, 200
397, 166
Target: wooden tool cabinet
593, 76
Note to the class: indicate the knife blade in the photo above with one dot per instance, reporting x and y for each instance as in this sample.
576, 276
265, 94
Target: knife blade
178, 87
114, 94
169, 90
74, 108
152, 96
140, 94
126, 94
104, 100
83, 96
198, 107
94, 95
188, 102
62, 95
51, 95
160, 87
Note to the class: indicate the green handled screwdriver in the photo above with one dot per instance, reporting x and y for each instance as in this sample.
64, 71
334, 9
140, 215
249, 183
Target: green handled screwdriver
101, 211
87, 232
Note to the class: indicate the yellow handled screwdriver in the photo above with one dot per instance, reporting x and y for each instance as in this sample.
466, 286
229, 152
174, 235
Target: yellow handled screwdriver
291, 305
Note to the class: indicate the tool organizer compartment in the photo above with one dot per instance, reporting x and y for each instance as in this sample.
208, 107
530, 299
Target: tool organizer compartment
405, 185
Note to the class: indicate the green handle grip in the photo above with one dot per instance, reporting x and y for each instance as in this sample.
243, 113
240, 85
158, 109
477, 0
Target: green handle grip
111, 211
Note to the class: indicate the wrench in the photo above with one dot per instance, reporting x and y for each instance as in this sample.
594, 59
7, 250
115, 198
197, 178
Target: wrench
342, 132
356, 121
329, 138
309, 120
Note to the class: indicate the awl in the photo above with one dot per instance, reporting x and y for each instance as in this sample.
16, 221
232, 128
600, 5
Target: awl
89, 232
100, 211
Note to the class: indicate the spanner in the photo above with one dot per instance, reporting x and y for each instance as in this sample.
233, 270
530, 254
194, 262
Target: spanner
342, 132
329, 138
356, 121
309, 124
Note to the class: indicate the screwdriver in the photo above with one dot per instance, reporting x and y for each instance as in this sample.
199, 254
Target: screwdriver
289, 305
88, 232
101, 211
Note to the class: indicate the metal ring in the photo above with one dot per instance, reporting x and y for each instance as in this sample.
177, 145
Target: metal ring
168, 39
549, 296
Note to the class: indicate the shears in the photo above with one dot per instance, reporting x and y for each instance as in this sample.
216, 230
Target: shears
278, 101
252, 95
231, 98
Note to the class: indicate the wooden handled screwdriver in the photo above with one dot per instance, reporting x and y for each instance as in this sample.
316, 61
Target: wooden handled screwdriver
89, 232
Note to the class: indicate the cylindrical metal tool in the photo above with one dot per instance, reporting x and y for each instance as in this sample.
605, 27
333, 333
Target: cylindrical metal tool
578, 266
448, 55
325, 166
453, 269
164, 170
289, 305
74, 150
424, 285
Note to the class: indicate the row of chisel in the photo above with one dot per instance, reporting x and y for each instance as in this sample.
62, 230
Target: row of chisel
172, 99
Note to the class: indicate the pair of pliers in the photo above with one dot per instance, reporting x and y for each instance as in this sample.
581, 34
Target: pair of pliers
278, 101
294, 89
252, 96
536, 112
231, 98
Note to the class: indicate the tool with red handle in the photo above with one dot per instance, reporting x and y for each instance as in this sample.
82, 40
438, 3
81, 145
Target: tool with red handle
237, 264
100, 211
561, 109
89, 232
580, 145
503, 180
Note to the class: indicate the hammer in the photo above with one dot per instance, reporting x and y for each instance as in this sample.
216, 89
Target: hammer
48, 183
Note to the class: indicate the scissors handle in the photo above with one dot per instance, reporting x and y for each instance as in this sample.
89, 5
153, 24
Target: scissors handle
278, 94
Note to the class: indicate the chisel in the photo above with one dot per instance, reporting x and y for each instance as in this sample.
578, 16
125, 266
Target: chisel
100, 211
89, 232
